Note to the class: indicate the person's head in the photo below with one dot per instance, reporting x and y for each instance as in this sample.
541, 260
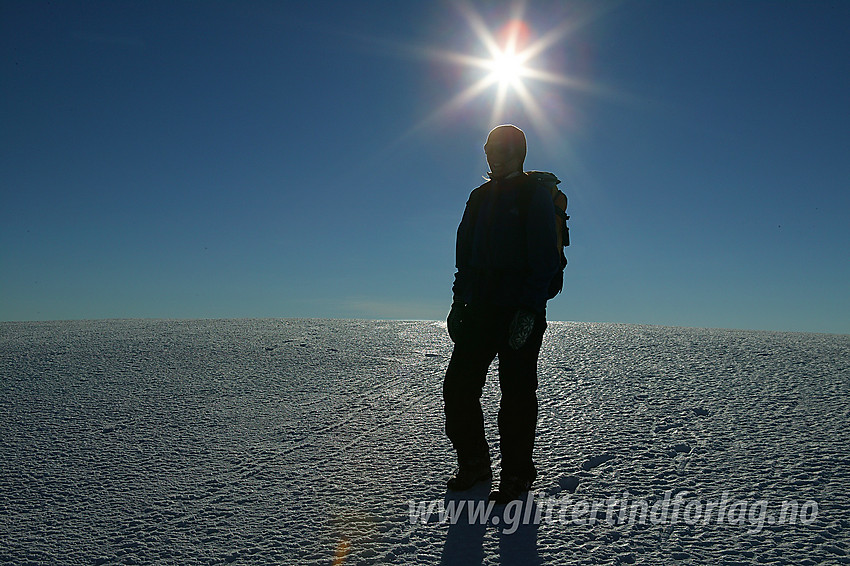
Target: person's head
505, 149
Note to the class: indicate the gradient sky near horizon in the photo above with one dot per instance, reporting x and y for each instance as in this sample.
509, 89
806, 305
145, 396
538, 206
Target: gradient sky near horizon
312, 159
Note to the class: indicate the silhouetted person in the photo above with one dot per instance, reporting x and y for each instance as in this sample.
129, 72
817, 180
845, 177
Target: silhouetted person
508, 255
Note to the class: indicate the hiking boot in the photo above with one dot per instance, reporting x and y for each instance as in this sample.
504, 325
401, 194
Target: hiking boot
510, 489
470, 473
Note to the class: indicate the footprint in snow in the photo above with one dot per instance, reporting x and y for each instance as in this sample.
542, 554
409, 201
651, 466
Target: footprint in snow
595, 461
682, 448
568, 483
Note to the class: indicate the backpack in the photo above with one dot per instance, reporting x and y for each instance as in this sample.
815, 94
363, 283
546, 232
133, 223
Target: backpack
559, 200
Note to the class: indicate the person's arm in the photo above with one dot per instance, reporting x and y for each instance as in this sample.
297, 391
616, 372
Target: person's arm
463, 249
463, 246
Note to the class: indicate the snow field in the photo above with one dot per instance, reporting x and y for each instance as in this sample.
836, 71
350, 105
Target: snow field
304, 442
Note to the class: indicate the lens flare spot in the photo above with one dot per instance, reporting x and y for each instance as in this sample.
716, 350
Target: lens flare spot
342, 550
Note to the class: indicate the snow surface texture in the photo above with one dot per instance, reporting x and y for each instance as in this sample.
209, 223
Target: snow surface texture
303, 442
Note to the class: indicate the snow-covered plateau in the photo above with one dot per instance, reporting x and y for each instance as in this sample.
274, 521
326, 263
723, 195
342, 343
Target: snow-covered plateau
321, 442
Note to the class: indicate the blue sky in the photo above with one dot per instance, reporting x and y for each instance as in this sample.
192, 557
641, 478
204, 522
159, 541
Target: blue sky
304, 159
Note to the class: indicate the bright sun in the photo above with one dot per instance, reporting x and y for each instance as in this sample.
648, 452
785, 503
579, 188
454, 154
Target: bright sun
512, 58
507, 68
511, 53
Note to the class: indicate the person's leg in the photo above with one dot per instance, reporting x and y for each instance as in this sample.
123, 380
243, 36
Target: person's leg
462, 390
518, 407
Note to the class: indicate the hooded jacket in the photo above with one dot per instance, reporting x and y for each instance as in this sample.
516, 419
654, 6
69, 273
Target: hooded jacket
507, 251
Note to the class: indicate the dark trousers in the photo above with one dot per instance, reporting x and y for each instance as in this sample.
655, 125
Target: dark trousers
485, 336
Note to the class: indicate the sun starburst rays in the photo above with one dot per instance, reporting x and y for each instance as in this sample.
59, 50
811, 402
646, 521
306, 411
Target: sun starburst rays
508, 64
510, 61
